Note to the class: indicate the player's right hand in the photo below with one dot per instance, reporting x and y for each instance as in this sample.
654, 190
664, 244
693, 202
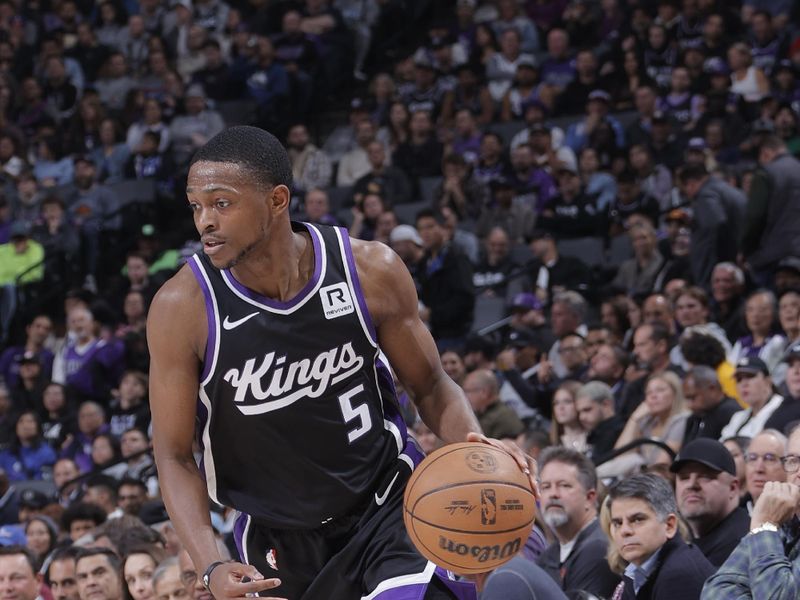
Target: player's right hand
236, 580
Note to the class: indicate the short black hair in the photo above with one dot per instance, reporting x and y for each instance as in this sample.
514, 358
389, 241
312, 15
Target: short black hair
111, 556
64, 553
256, 151
132, 480
80, 511
693, 173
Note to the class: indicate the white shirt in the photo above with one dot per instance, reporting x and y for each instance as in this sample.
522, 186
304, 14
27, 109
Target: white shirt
746, 424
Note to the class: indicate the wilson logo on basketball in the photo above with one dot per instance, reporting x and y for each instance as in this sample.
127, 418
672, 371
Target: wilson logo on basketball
481, 462
275, 384
480, 553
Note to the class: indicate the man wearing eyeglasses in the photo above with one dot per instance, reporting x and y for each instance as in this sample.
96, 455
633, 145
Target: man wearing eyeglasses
762, 463
193, 583
765, 563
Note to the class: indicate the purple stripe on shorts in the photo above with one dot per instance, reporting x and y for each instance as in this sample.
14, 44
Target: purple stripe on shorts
269, 302
463, 590
211, 341
351, 265
238, 534
406, 592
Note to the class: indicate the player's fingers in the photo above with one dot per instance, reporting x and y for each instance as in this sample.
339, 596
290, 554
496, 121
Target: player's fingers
476, 437
244, 588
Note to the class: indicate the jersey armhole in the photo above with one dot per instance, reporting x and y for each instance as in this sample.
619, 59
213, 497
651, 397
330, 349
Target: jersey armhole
355, 285
212, 318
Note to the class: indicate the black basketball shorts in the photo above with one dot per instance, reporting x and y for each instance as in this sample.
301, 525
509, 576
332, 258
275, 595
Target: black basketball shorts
366, 556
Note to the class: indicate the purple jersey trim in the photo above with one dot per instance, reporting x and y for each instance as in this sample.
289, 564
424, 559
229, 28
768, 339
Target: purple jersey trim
277, 304
239, 528
211, 342
463, 590
351, 265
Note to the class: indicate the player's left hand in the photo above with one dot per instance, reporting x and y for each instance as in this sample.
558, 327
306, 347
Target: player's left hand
525, 462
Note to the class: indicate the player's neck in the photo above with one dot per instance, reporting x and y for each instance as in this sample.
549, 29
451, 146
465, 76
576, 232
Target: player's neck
282, 269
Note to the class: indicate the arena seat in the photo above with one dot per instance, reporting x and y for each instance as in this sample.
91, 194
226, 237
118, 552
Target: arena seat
590, 250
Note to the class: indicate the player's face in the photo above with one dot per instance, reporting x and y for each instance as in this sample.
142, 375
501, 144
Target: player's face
231, 212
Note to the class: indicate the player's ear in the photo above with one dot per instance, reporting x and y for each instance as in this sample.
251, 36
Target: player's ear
279, 198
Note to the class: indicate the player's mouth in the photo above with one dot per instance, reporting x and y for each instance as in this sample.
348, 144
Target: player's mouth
212, 246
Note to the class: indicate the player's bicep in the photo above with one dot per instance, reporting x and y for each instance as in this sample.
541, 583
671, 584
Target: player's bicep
402, 335
174, 370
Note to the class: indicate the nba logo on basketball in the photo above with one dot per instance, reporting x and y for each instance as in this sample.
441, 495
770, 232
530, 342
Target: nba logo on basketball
272, 559
336, 300
488, 506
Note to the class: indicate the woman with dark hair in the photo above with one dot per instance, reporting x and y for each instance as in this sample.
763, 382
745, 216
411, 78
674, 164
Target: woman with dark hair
486, 46
111, 154
152, 120
83, 131
51, 167
701, 347
134, 312
137, 570
41, 534
614, 315
628, 80
395, 132
106, 455
28, 456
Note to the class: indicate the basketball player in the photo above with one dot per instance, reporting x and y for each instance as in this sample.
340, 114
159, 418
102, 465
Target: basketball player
278, 329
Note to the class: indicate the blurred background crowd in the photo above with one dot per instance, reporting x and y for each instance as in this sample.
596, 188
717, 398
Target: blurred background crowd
598, 200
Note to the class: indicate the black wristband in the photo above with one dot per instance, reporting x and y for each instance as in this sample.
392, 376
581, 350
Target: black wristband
209, 570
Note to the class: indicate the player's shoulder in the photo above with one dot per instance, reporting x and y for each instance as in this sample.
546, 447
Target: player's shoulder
374, 258
177, 297
384, 279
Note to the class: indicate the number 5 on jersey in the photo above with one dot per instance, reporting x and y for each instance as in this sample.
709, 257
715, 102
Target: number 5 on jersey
359, 413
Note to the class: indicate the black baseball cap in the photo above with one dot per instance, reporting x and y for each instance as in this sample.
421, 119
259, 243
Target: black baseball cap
792, 353
708, 452
153, 513
34, 499
751, 365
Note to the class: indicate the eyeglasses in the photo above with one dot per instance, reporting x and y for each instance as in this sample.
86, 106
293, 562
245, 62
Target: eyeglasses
565, 349
790, 463
769, 458
189, 578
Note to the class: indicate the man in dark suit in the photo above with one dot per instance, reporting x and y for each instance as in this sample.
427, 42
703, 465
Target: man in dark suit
707, 492
711, 408
644, 529
576, 560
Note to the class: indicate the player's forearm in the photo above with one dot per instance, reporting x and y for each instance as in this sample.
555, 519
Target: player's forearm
186, 498
447, 412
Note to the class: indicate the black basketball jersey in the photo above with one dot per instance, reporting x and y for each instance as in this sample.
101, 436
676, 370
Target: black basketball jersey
297, 414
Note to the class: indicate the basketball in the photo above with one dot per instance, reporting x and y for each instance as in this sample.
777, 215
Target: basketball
469, 508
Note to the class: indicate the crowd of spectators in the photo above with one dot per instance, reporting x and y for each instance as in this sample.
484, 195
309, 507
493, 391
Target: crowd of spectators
599, 203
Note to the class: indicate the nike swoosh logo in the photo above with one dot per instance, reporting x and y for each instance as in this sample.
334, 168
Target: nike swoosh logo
379, 500
228, 324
